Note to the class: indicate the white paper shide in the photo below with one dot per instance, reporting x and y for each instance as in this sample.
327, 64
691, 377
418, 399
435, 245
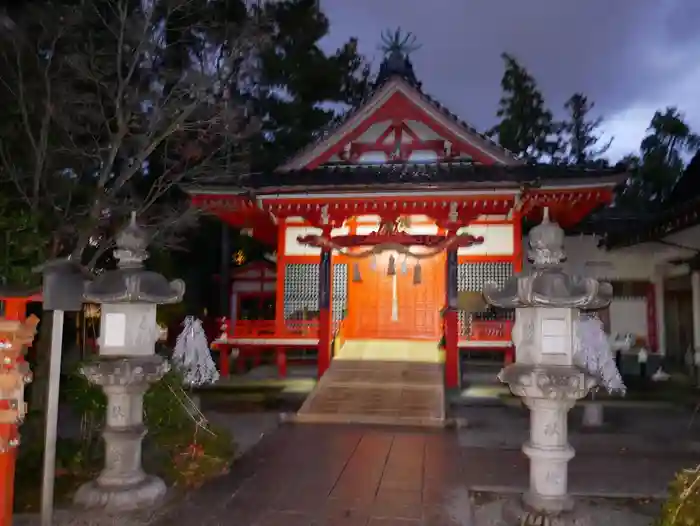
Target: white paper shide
192, 356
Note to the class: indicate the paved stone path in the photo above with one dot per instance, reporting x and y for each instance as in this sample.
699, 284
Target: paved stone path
352, 476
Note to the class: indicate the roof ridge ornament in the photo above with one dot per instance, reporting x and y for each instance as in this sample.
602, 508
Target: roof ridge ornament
396, 48
397, 43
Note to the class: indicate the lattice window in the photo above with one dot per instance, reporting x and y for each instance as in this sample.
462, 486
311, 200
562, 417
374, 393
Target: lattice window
301, 289
471, 277
340, 290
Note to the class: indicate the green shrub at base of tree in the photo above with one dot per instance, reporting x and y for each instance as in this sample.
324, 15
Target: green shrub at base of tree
683, 505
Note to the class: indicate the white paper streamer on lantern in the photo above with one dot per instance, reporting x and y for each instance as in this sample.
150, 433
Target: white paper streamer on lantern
192, 354
592, 352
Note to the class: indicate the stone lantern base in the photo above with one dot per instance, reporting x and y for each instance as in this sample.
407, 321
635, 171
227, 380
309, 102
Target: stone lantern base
122, 485
516, 513
148, 493
549, 391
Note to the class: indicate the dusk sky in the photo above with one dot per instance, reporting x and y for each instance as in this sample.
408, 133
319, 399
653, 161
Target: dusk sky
631, 57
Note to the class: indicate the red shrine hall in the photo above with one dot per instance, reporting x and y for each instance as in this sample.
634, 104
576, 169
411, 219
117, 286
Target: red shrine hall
387, 228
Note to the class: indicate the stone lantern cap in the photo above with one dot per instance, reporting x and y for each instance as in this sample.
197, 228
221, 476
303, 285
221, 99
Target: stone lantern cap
131, 283
547, 285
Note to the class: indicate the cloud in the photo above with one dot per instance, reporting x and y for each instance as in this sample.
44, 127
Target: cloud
630, 57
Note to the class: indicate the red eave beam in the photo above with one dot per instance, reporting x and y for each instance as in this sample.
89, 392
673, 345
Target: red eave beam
239, 212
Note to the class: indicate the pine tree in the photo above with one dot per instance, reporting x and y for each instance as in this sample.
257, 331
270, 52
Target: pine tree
301, 87
526, 126
669, 139
579, 133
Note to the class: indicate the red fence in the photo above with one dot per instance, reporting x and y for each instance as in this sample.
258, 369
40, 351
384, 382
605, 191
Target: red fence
274, 329
490, 330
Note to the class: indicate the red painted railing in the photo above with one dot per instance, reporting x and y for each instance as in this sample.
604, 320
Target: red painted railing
275, 329
245, 329
479, 330
488, 330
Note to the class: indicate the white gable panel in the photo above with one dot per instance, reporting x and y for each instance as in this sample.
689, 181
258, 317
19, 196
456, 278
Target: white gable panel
372, 158
422, 130
423, 156
373, 132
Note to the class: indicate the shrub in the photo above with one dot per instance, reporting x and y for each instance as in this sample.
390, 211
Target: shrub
683, 505
188, 449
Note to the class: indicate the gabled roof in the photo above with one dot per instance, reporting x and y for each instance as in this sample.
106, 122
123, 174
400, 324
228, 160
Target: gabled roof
393, 80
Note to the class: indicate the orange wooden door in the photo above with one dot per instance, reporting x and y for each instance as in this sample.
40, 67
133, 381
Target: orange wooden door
383, 306
367, 299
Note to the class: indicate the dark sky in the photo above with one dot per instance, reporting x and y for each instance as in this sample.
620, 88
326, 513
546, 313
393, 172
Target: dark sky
630, 56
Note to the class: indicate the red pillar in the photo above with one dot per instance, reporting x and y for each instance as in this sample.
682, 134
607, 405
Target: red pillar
325, 333
451, 322
652, 336
224, 362
16, 310
281, 358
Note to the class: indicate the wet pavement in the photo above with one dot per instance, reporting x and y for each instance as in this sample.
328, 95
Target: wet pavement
351, 475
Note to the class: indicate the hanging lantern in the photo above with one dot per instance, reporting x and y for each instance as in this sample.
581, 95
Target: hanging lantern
417, 274
391, 269
404, 267
356, 276
91, 311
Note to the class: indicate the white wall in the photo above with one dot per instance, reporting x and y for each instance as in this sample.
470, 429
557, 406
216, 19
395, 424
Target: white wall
292, 247
639, 262
629, 315
498, 240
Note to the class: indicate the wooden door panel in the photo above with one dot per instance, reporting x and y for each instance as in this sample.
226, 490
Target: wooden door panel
370, 302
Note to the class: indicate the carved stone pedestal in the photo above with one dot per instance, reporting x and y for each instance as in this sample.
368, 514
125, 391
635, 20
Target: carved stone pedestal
123, 485
549, 391
516, 513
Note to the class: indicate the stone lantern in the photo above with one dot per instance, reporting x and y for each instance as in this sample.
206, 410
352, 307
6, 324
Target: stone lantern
547, 303
126, 366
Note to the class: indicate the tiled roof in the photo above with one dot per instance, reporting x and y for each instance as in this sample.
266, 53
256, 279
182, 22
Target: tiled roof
408, 175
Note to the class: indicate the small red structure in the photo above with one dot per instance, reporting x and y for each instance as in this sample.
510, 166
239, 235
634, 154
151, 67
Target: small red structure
253, 289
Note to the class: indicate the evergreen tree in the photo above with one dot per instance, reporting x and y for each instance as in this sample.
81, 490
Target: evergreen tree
580, 133
668, 141
526, 126
301, 88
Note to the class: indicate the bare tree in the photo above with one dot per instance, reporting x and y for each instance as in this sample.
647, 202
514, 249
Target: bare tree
99, 121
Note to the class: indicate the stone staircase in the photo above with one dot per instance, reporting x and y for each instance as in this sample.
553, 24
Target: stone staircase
388, 382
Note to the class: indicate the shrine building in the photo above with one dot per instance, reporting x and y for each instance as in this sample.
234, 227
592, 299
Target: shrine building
387, 227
